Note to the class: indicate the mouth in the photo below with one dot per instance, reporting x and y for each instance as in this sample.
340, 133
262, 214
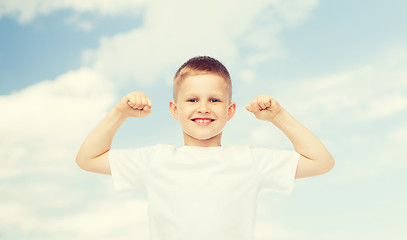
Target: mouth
203, 121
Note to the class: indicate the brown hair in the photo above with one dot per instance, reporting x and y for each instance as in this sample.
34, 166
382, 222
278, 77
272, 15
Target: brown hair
201, 65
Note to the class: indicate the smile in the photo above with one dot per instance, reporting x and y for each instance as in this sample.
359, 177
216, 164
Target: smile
203, 121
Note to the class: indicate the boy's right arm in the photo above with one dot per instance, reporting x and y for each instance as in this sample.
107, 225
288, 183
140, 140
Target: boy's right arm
93, 154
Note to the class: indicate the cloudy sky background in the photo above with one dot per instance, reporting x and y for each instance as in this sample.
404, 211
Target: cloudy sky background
339, 67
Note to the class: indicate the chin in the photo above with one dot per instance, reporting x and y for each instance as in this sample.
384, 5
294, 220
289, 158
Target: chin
202, 137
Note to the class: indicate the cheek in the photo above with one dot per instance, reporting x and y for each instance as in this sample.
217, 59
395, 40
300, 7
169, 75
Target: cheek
222, 112
184, 111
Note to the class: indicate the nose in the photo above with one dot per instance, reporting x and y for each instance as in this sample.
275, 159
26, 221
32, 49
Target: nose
203, 107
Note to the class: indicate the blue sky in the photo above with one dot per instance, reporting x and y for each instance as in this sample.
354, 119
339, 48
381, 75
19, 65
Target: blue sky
339, 67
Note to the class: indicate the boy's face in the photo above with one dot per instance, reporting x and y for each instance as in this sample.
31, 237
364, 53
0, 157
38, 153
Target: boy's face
203, 108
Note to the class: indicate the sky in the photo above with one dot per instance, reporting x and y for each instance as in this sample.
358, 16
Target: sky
339, 67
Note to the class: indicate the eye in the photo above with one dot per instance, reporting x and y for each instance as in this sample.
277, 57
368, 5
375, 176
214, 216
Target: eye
192, 100
214, 100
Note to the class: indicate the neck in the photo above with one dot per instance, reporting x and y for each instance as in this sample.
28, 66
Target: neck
210, 142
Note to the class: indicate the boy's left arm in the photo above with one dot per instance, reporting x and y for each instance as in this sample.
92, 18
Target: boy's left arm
315, 158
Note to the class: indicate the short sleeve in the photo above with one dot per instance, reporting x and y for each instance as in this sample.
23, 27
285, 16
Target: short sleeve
129, 167
276, 168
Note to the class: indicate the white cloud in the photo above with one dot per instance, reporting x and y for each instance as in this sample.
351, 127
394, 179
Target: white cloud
103, 220
271, 206
240, 33
293, 11
392, 153
80, 24
271, 231
174, 31
43, 124
120, 220
399, 134
386, 105
26, 11
365, 94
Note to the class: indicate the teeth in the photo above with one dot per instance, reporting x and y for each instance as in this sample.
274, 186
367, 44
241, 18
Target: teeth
203, 120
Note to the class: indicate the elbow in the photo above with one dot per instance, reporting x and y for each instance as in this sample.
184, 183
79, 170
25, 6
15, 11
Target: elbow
79, 161
330, 163
325, 165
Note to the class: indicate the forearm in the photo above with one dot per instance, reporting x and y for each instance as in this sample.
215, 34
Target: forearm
100, 139
303, 140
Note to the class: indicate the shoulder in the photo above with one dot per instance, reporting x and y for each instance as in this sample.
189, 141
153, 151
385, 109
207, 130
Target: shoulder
265, 154
259, 155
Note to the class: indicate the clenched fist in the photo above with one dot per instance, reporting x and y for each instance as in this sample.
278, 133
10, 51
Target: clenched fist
264, 107
135, 104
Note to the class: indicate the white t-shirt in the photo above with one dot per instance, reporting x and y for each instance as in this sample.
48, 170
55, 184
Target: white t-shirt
202, 193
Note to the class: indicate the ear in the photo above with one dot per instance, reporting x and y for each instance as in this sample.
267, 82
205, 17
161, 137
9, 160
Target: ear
231, 110
174, 110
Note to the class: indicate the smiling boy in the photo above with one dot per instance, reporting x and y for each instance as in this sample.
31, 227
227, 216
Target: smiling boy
202, 106
203, 190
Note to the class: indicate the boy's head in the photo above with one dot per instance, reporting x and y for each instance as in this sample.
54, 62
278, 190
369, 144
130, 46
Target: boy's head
199, 66
202, 100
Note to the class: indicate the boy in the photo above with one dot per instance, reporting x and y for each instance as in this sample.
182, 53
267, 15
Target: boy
202, 190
